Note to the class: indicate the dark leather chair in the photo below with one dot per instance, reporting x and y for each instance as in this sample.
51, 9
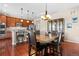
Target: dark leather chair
33, 44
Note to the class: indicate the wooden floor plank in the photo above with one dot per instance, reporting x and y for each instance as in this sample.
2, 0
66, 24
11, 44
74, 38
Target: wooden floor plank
6, 49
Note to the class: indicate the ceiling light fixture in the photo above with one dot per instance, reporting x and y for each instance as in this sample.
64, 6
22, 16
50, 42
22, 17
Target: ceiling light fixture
32, 17
22, 20
28, 21
32, 22
28, 14
3, 23
21, 14
46, 16
4, 9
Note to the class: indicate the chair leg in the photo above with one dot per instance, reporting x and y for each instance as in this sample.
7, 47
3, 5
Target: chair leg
45, 52
42, 52
55, 51
37, 52
29, 51
51, 50
61, 50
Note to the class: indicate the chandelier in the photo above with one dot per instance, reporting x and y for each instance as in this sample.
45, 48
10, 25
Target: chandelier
46, 16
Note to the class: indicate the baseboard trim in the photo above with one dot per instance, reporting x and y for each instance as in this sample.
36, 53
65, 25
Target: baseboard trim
71, 41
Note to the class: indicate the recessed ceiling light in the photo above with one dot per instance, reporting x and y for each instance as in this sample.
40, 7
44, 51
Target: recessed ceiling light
32, 22
27, 21
21, 20
3, 23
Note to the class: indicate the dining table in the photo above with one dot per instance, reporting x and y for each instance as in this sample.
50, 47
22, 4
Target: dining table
45, 38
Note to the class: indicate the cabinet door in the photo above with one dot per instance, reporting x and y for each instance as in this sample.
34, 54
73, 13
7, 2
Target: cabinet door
10, 22
25, 23
3, 19
18, 22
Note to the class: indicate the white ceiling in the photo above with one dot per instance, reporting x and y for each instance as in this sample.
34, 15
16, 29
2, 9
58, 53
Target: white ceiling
14, 9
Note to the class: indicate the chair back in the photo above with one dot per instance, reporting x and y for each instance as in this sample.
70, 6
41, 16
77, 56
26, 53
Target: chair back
54, 33
58, 39
60, 35
32, 38
37, 32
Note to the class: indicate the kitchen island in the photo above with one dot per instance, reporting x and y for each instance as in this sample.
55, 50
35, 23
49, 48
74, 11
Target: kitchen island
14, 30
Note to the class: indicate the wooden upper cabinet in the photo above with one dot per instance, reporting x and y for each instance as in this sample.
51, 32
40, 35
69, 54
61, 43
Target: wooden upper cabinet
17, 20
25, 23
2, 18
10, 22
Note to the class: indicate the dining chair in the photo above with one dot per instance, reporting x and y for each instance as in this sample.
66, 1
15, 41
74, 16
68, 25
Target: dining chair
37, 32
34, 46
62, 37
57, 47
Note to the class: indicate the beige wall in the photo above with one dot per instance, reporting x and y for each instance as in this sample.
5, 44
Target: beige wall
41, 25
73, 33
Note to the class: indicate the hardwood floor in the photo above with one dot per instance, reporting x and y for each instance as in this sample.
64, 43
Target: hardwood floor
70, 49
6, 49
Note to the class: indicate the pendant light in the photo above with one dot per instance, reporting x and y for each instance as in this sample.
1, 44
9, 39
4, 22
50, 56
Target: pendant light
32, 17
28, 16
21, 14
46, 16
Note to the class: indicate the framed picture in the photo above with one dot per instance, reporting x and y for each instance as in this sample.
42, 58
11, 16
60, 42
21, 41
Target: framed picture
69, 25
74, 19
